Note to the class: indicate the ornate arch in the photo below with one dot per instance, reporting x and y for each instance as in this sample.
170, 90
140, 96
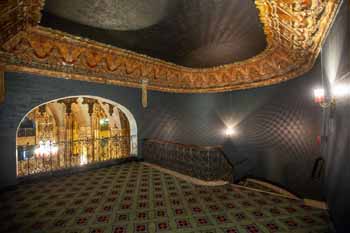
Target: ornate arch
126, 138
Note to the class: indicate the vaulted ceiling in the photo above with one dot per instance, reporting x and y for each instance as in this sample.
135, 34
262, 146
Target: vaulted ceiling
192, 33
166, 45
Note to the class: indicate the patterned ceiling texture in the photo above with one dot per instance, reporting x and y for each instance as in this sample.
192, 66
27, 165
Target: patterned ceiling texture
192, 33
111, 14
294, 32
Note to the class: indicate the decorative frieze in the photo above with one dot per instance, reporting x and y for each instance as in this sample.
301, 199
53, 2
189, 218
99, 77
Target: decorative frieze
294, 30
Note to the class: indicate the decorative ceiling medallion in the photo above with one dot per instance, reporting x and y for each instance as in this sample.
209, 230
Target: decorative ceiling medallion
294, 30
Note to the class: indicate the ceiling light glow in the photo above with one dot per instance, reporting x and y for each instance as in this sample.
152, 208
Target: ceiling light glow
319, 95
230, 131
340, 90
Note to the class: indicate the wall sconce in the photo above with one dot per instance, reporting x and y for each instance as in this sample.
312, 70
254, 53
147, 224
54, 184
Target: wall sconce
230, 131
320, 98
319, 95
337, 91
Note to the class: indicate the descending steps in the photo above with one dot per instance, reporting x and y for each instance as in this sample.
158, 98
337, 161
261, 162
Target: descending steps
263, 186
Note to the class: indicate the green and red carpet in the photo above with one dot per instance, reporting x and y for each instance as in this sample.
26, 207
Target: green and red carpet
136, 198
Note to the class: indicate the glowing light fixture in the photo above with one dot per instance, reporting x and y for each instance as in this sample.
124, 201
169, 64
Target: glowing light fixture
46, 148
104, 121
83, 159
319, 95
337, 90
340, 90
230, 131
320, 98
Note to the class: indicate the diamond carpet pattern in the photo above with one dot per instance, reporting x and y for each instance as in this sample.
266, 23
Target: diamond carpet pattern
136, 198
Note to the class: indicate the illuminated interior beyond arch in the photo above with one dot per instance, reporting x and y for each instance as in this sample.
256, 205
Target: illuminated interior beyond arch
74, 131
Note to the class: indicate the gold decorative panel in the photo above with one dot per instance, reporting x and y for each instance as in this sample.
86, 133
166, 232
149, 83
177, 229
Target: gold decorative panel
71, 132
2, 86
295, 30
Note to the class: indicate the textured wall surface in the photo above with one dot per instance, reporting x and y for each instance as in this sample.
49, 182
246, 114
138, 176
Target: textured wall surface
276, 128
277, 125
24, 92
337, 128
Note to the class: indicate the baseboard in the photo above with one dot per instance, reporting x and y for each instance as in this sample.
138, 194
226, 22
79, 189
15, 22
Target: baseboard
316, 204
187, 178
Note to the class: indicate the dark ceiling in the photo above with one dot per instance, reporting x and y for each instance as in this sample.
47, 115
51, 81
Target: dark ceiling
192, 33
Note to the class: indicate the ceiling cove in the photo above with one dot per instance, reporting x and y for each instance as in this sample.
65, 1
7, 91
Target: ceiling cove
190, 33
294, 32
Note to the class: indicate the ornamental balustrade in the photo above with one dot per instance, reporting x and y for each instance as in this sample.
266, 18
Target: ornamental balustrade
48, 156
203, 162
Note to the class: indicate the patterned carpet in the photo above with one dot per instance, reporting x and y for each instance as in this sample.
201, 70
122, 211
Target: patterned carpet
136, 198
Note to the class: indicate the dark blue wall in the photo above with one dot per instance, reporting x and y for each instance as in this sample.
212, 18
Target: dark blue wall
277, 127
25, 91
336, 149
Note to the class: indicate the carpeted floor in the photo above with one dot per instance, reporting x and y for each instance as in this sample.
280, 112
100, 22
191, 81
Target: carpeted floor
136, 198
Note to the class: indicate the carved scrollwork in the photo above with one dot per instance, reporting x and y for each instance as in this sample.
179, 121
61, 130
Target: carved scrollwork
294, 31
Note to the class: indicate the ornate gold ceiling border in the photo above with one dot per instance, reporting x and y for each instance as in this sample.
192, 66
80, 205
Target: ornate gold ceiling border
17, 15
295, 30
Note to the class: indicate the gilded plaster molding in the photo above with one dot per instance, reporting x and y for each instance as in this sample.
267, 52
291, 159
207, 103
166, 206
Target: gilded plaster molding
294, 30
2, 86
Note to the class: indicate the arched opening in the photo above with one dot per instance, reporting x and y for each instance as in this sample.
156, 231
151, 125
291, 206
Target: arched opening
73, 132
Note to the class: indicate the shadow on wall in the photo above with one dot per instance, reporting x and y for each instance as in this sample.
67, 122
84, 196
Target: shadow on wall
276, 126
337, 148
279, 139
25, 91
